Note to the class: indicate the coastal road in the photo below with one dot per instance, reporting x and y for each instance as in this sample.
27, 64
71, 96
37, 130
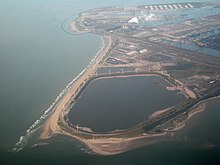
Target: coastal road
51, 126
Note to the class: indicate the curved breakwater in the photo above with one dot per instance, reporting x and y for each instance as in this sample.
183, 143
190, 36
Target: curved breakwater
23, 140
66, 24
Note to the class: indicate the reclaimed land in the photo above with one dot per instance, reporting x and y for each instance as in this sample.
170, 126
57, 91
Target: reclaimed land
156, 128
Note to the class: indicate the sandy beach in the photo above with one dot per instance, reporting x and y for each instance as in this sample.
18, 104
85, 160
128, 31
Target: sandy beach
103, 146
157, 113
112, 146
76, 30
51, 125
200, 107
109, 143
184, 89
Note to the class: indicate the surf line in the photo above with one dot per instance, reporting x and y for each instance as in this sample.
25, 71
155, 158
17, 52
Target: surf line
23, 140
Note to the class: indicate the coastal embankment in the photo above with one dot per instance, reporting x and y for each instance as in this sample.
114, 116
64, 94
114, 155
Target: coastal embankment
51, 125
111, 142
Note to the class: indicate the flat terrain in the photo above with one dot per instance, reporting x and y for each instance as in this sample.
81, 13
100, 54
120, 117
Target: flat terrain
146, 40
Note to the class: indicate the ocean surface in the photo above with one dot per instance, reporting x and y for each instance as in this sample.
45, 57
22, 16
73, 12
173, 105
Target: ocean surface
38, 59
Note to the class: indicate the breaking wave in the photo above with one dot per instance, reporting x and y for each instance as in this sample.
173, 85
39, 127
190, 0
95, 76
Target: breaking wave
23, 140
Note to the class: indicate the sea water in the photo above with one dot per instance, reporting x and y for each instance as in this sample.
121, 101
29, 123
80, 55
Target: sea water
38, 59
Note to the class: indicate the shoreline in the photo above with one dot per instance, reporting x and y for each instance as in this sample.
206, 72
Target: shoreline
112, 142
102, 146
74, 29
112, 146
159, 112
199, 107
50, 126
184, 90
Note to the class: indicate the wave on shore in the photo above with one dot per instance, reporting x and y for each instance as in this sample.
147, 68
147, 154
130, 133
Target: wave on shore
23, 140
